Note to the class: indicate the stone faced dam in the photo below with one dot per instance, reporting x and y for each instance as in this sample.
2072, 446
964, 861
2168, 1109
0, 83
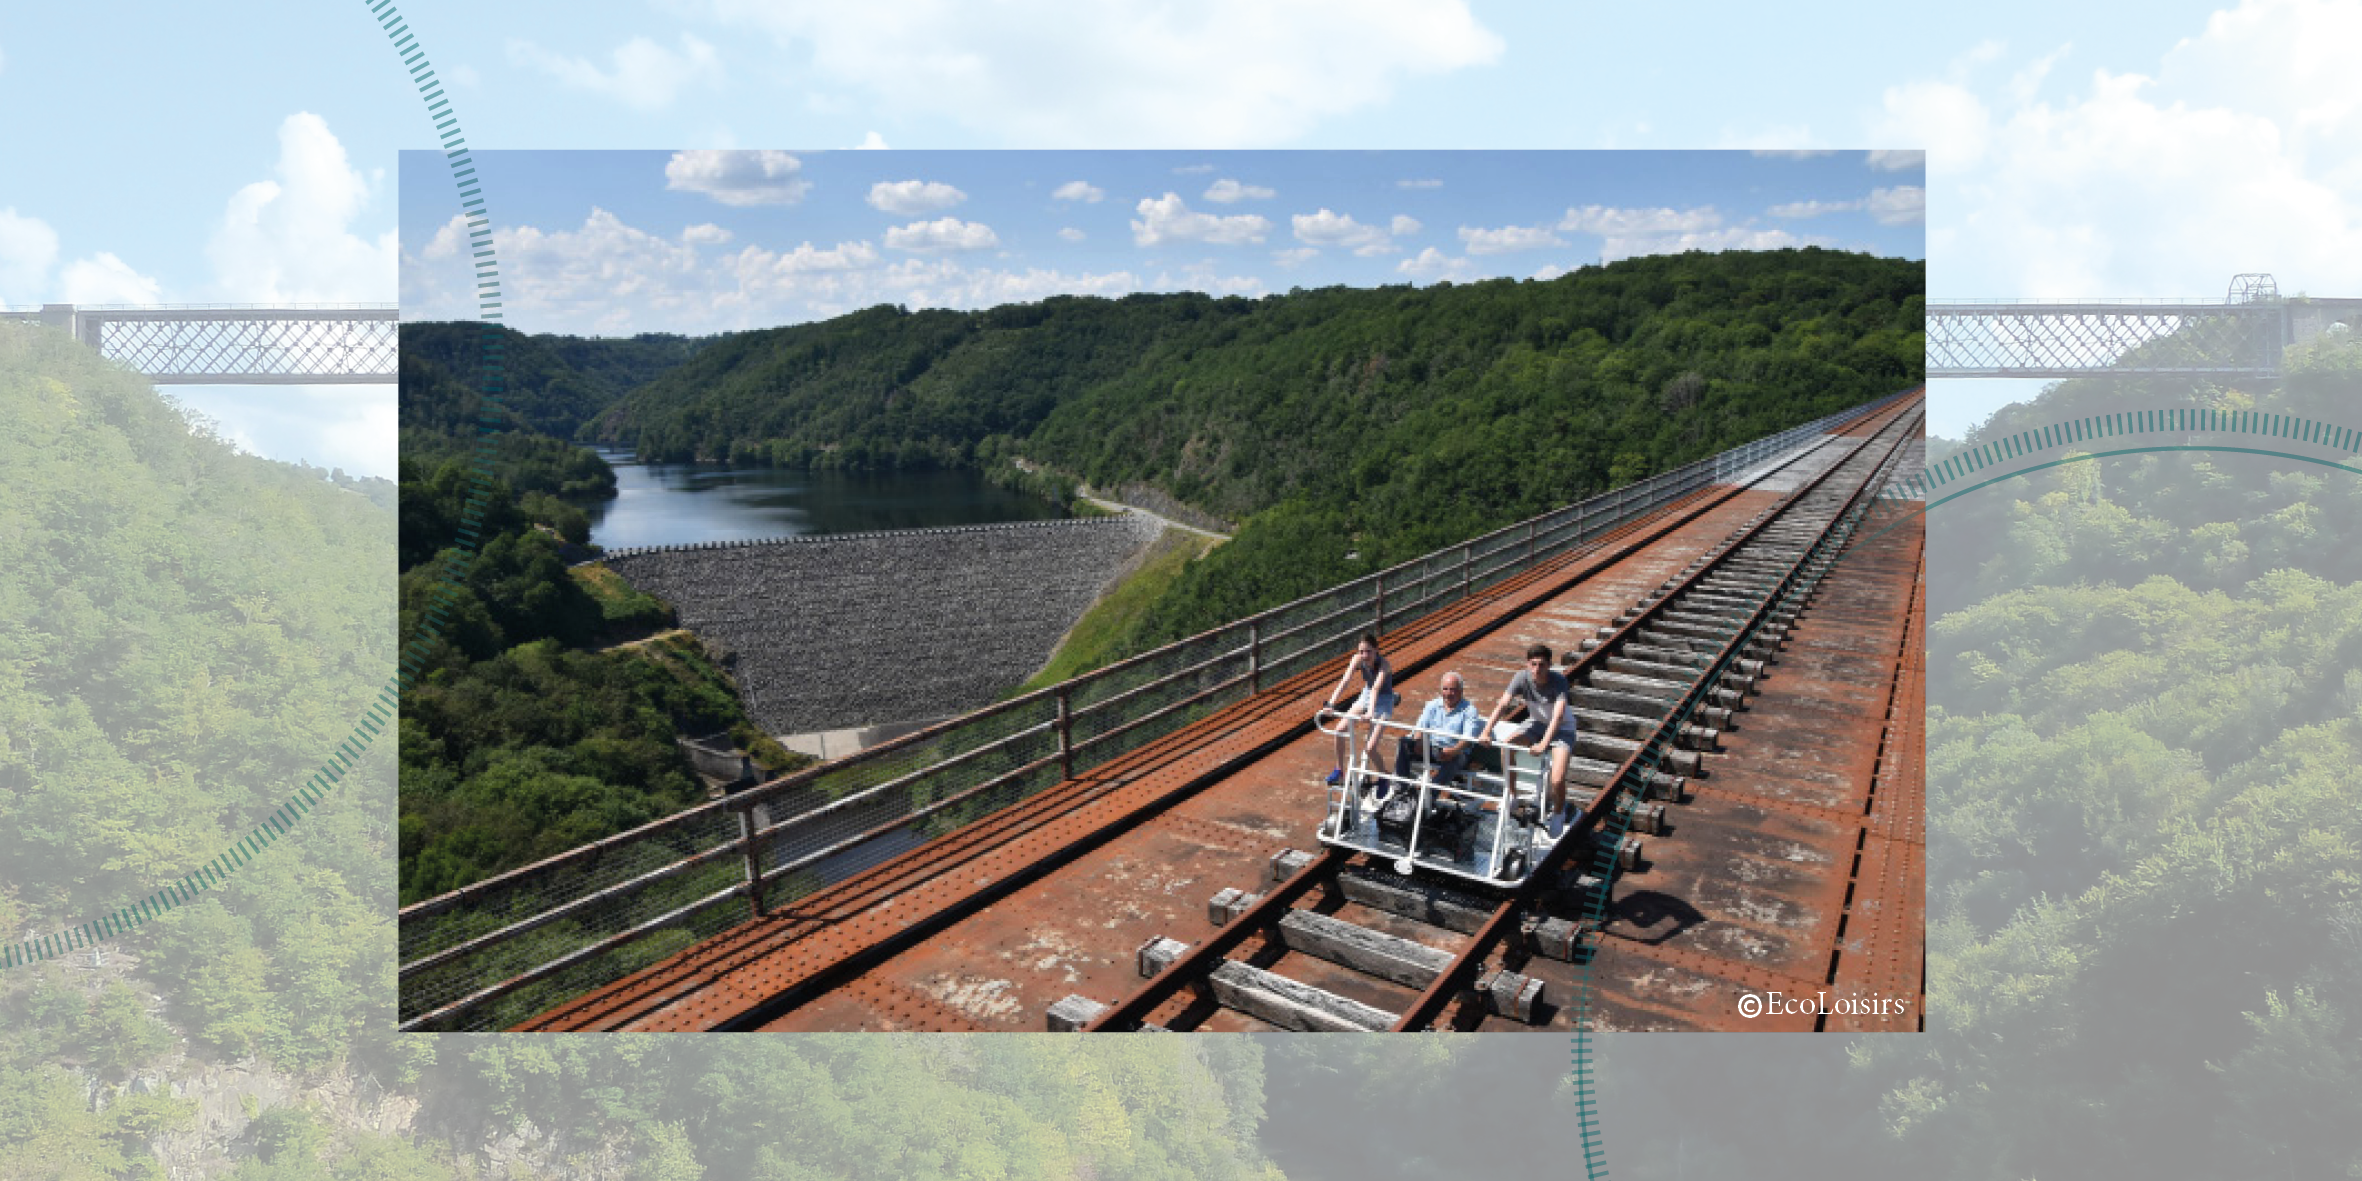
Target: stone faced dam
862, 629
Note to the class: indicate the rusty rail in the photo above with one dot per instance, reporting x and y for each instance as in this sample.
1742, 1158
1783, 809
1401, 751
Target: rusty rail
595, 897
1191, 966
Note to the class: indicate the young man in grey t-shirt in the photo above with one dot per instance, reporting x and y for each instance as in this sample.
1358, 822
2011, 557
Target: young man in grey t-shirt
1549, 725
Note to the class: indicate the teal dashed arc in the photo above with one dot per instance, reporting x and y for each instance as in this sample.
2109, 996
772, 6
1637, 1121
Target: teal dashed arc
371, 724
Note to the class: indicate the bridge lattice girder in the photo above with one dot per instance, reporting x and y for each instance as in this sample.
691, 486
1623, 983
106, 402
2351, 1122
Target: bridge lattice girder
2087, 339
240, 345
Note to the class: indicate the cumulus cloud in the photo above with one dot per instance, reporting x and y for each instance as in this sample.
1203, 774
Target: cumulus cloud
1079, 190
1218, 72
1507, 239
1403, 225
609, 277
1432, 265
105, 278
705, 234
289, 239
1794, 209
1230, 192
1602, 219
2240, 151
646, 76
1294, 256
1328, 228
1169, 219
1071, 234
738, 178
1888, 160
942, 235
873, 142
909, 198
1727, 238
28, 248
1902, 205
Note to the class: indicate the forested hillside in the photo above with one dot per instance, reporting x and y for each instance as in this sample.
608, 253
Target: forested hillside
1348, 429
531, 732
187, 632
2145, 839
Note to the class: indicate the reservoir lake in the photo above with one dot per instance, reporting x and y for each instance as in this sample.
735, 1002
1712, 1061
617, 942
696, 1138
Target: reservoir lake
683, 504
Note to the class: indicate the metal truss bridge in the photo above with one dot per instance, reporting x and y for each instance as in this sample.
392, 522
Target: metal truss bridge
2242, 336
237, 344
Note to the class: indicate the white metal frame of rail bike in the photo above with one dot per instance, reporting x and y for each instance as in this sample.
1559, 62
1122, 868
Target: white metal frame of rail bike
1487, 841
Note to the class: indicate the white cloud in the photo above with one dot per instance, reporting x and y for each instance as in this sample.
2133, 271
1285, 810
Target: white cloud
1079, 190
738, 178
1550, 272
910, 198
1432, 264
1204, 276
873, 142
28, 248
767, 271
1813, 208
464, 76
1419, 183
1602, 219
942, 235
1192, 169
1795, 153
704, 234
107, 279
1327, 228
1890, 160
1169, 219
1218, 72
609, 277
646, 76
1403, 225
2240, 151
1902, 205
290, 239
1507, 239
1071, 234
1230, 192
1941, 113
1295, 256
1727, 238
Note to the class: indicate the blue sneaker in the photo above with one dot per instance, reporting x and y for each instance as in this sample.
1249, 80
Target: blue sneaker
1555, 824
1335, 777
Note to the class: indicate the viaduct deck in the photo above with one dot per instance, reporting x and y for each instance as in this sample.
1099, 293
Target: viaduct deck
1796, 865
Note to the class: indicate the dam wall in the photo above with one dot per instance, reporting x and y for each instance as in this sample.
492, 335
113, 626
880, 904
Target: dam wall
860, 629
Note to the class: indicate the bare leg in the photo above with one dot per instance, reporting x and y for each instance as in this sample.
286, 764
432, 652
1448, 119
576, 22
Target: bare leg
1558, 756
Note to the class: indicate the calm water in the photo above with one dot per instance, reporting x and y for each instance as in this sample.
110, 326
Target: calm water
680, 503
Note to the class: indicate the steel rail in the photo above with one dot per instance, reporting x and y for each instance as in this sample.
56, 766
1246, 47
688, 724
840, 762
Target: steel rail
1449, 982
1612, 513
1192, 966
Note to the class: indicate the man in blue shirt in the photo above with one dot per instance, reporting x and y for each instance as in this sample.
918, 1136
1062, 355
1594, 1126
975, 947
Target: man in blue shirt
1452, 715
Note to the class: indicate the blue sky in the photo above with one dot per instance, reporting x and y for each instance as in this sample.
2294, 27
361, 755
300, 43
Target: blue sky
699, 241
181, 154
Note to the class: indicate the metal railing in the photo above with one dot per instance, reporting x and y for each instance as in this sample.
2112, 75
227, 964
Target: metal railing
500, 951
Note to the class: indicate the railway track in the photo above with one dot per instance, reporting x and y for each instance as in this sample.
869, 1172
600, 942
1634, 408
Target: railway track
1073, 892
1654, 691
